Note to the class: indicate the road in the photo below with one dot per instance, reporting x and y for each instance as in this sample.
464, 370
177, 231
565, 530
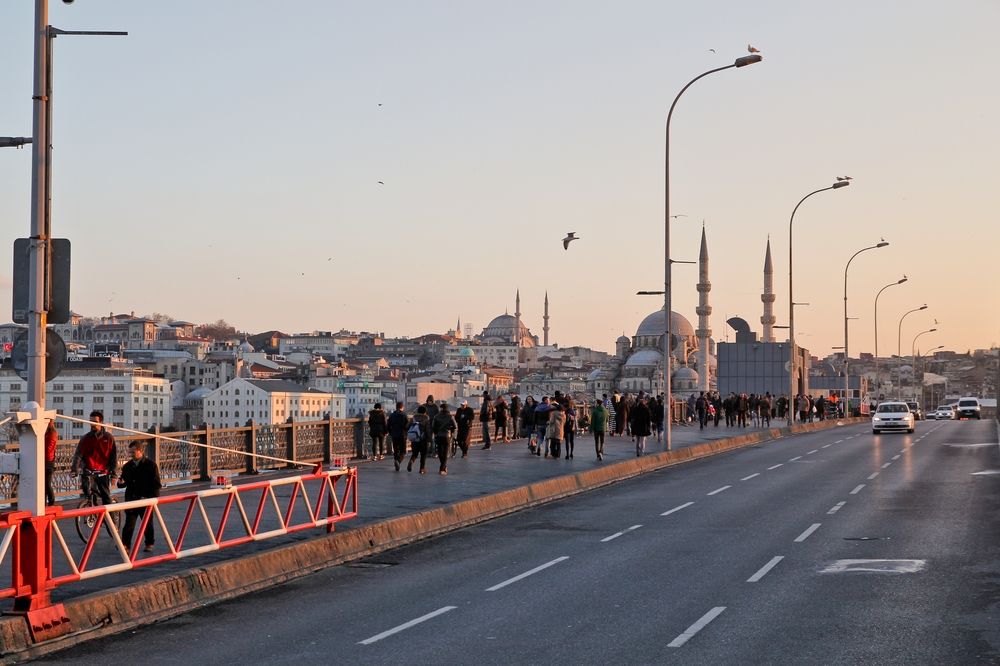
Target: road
838, 547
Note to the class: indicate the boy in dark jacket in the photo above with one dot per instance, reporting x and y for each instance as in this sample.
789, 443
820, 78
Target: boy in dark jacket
141, 480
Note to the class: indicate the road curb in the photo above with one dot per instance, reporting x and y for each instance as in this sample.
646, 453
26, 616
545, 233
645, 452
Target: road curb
126, 607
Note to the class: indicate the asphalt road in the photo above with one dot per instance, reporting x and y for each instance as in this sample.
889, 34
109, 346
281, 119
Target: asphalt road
838, 547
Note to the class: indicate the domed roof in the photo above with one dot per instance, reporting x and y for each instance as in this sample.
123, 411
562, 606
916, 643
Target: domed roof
654, 325
645, 357
467, 353
594, 375
686, 373
502, 329
623, 338
246, 347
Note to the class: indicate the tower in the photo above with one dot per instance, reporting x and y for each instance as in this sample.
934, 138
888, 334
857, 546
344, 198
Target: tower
768, 297
704, 310
517, 325
545, 328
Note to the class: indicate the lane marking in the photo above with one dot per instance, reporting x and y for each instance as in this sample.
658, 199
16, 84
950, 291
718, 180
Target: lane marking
406, 625
886, 465
764, 569
873, 476
795, 458
838, 441
812, 452
678, 508
805, 535
747, 478
719, 490
696, 627
776, 466
857, 490
825, 446
836, 508
896, 457
526, 574
618, 534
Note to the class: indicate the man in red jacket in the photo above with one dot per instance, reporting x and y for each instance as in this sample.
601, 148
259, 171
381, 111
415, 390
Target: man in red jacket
97, 459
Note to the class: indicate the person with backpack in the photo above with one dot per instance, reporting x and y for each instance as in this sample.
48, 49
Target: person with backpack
599, 425
443, 427
464, 417
515, 416
419, 434
485, 416
397, 424
543, 411
377, 429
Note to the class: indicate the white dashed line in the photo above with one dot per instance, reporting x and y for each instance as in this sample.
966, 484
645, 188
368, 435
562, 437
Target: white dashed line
526, 574
719, 490
896, 457
676, 508
825, 446
795, 458
873, 476
836, 508
696, 627
618, 534
857, 490
812, 452
406, 625
805, 535
764, 569
886, 465
747, 478
775, 466
838, 441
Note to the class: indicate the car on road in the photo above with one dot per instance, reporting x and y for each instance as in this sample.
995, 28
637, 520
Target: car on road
968, 408
918, 413
892, 416
943, 413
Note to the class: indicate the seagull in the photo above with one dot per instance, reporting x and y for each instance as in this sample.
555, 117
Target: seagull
712, 50
752, 49
380, 105
844, 178
381, 183
570, 237
678, 216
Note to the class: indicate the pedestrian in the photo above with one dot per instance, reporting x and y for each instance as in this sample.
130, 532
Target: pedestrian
640, 426
419, 433
528, 422
557, 424
378, 428
464, 417
515, 416
656, 413
598, 425
821, 408
765, 411
500, 417
51, 440
443, 427
701, 408
97, 458
485, 416
569, 431
802, 402
397, 424
543, 411
141, 480
621, 416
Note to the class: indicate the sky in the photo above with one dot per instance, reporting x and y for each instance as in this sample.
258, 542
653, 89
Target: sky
224, 161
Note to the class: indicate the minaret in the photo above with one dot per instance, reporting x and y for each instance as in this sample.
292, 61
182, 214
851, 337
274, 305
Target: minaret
704, 310
517, 324
458, 329
768, 297
545, 328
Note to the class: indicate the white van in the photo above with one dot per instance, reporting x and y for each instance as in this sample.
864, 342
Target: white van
968, 408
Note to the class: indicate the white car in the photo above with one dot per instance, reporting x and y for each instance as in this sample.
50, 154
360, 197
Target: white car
968, 408
892, 416
944, 413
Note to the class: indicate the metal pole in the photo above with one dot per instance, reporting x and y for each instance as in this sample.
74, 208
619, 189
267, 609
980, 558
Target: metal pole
847, 357
877, 378
899, 349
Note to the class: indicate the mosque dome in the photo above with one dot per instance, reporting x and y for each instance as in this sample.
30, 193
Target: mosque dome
654, 325
594, 375
623, 339
502, 329
467, 353
686, 374
644, 358
246, 347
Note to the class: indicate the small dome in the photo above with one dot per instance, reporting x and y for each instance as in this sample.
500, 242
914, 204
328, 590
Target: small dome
623, 338
906, 368
686, 373
654, 325
467, 353
246, 347
594, 375
645, 357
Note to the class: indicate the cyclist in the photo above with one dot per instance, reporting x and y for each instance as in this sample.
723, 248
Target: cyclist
97, 459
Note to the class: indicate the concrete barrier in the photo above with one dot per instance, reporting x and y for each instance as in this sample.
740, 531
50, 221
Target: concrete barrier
122, 608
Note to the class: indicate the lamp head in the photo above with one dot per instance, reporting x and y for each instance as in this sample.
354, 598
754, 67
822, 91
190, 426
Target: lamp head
903, 280
923, 307
882, 244
841, 183
748, 60
932, 330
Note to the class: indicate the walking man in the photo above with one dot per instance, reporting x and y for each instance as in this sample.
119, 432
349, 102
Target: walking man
515, 415
640, 426
419, 434
397, 424
444, 427
557, 423
598, 426
141, 480
377, 429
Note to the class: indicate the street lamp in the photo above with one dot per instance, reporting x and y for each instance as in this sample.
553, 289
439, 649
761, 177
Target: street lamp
899, 347
791, 303
667, 333
891, 284
913, 354
847, 381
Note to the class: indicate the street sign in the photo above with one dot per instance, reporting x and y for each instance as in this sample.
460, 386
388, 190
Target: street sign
57, 302
55, 352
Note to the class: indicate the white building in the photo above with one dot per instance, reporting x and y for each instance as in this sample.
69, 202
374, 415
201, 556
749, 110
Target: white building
268, 401
360, 392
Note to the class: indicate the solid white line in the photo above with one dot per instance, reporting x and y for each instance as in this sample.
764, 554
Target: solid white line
795, 458
696, 627
873, 476
618, 534
805, 535
812, 452
526, 574
776, 466
719, 490
764, 569
407, 625
836, 508
896, 457
747, 478
676, 508
857, 490
886, 465
825, 446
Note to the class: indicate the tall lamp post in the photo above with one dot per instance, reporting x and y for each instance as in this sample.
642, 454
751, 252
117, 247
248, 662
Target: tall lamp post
877, 379
791, 303
913, 353
847, 381
668, 333
922, 362
899, 347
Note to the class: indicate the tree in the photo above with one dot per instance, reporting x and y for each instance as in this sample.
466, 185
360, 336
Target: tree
160, 318
219, 330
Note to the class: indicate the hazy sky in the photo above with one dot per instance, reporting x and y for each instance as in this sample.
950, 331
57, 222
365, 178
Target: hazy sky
223, 161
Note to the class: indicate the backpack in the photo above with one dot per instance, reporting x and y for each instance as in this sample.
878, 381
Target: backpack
415, 433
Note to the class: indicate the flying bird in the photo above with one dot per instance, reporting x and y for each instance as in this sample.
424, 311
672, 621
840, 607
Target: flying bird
844, 178
570, 237
678, 216
381, 183
752, 49
712, 50
380, 105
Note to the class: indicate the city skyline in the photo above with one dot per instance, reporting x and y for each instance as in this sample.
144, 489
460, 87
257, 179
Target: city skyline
236, 174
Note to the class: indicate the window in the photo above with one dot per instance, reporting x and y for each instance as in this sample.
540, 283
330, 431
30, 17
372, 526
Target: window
146, 400
119, 387
77, 412
135, 413
137, 398
15, 387
78, 398
119, 399
119, 412
58, 399
145, 412
57, 387
77, 387
98, 387
98, 398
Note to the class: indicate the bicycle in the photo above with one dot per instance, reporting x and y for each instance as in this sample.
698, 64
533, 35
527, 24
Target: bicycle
85, 524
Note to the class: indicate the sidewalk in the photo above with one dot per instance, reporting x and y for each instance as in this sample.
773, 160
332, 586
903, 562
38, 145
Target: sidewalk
384, 494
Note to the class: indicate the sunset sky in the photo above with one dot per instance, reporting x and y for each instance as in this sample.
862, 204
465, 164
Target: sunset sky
224, 159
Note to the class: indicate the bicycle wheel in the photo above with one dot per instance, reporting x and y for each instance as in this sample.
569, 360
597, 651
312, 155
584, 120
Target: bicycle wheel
85, 524
113, 518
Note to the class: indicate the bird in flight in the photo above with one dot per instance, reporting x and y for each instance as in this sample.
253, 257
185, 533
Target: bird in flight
570, 237
752, 49
712, 50
380, 105
844, 178
381, 183
678, 216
